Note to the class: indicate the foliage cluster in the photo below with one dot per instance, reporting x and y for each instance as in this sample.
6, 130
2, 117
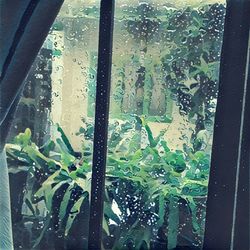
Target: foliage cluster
144, 187
188, 42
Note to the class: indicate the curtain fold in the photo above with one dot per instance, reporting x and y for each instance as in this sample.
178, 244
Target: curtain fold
6, 241
24, 26
9, 24
32, 31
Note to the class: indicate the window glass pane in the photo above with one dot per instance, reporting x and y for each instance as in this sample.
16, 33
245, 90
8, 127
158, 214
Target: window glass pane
50, 161
163, 97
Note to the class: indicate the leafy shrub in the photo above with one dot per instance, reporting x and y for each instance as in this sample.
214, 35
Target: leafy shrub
145, 184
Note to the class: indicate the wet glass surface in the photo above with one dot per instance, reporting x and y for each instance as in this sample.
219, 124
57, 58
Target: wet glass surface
163, 98
164, 88
50, 144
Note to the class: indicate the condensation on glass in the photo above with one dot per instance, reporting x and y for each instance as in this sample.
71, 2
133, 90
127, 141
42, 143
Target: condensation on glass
50, 161
163, 97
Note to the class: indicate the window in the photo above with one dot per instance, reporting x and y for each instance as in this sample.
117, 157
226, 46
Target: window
167, 58
113, 140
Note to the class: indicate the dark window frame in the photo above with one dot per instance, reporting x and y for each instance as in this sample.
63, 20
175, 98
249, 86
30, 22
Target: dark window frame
227, 217
227, 212
103, 83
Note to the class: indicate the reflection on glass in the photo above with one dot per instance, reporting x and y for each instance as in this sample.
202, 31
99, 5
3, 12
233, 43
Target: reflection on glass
163, 96
50, 144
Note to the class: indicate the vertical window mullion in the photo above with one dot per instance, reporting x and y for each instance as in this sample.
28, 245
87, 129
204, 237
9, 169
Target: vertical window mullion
101, 123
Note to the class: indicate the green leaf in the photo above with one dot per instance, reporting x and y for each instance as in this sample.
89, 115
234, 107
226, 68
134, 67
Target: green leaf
194, 189
48, 147
66, 141
151, 139
48, 189
110, 213
50, 194
105, 226
161, 212
23, 139
30, 206
165, 146
137, 155
45, 227
41, 160
173, 222
193, 208
75, 210
65, 202
15, 153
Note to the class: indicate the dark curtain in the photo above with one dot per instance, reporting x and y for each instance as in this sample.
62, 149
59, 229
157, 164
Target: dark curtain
24, 26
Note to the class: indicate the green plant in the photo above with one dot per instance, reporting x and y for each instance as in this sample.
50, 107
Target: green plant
61, 179
146, 184
189, 40
192, 62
